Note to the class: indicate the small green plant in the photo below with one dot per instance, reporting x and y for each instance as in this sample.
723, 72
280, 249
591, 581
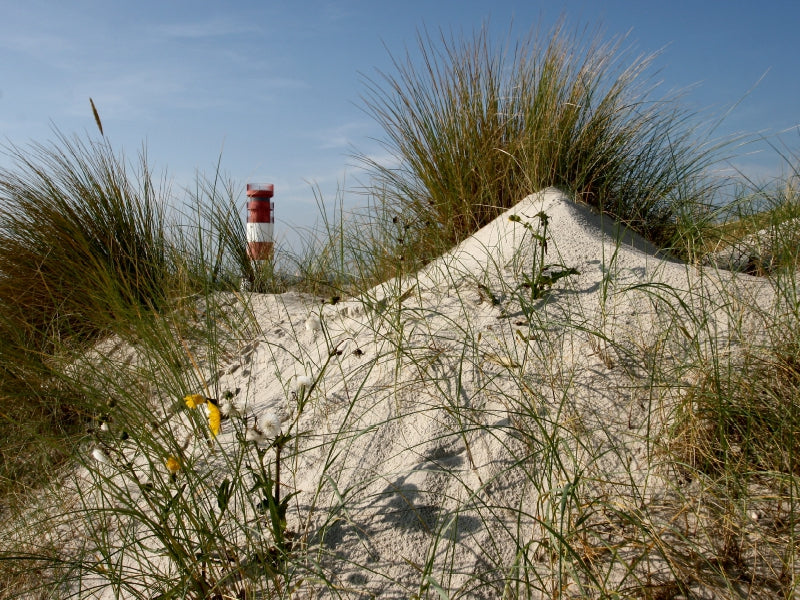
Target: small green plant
542, 275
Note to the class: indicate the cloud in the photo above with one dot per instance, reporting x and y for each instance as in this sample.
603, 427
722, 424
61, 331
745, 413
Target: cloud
35, 44
211, 27
386, 160
137, 93
341, 136
48, 52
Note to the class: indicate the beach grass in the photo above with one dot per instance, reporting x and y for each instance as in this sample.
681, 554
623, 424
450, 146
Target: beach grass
476, 124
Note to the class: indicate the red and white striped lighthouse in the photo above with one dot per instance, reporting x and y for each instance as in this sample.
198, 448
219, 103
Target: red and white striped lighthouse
260, 221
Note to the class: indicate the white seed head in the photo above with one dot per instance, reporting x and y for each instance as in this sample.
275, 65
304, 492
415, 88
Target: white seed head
253, 435
104, 427
303, 381
228, 409
270, 424
99, 455
313, 324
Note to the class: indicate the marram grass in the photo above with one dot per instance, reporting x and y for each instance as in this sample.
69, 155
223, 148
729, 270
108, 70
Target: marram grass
474, 124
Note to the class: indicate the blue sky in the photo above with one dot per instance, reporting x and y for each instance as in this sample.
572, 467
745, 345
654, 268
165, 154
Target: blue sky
273, 88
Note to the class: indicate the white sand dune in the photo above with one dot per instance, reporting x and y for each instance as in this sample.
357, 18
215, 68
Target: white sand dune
458, 427
423, 457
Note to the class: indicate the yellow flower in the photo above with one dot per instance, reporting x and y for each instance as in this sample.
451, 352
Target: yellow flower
214, 418
194, 400
173, 465
214, 415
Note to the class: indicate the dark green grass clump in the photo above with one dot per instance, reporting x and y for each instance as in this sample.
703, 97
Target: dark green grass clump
83, 249
78, 240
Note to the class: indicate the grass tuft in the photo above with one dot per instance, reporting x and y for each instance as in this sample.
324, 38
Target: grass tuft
473, 126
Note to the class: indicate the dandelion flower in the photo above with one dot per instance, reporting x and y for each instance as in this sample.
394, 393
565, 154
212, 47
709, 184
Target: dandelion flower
194, 400
99, 455
211, 408
270, 424
173, 465
214, 418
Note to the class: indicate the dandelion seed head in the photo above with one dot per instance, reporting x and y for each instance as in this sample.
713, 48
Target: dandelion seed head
270, 424
253, 435
313, 324
227, 409
303, 381
99, 455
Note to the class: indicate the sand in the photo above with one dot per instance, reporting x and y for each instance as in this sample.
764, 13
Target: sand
457, 427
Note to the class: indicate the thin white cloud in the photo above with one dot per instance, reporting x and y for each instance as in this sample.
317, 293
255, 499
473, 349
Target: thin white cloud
283, 83
35, 44
341, 136
136, 94
212, 27
42, 52
384, 159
